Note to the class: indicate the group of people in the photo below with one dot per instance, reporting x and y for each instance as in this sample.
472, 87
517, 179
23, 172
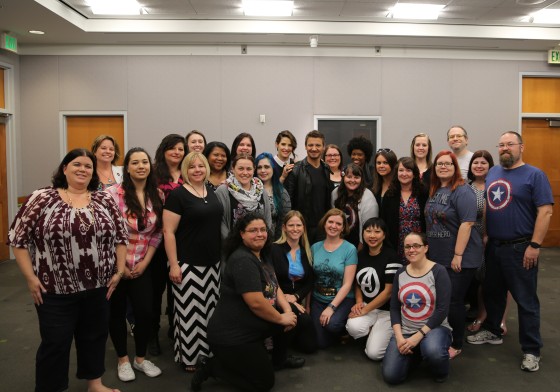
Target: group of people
260, 254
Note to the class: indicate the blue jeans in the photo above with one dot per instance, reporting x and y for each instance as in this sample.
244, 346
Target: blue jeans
505, 271
460, 283
432, 349
328, 334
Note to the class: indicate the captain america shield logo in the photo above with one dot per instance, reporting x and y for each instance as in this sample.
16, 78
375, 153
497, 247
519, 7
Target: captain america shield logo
498, 194
418, 301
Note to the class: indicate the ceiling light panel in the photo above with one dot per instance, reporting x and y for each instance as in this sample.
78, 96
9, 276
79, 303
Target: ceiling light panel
416, 11
267, 7
114, 7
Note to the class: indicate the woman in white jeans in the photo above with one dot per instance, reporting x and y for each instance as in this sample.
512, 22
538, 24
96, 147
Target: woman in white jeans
377, 265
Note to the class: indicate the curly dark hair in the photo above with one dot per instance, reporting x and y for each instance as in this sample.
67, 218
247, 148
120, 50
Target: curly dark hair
343, 198
291, 137
238, 140
59, 178
234, 240
362, 144
417, 184
151, 193
161, 169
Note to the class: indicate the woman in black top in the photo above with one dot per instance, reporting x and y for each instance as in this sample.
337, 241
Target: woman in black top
291, 258
251, 308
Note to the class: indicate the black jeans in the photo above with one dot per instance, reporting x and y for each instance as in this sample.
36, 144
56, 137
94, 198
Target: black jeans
160, 281
245, 366
140, 293
82, 317
460, 283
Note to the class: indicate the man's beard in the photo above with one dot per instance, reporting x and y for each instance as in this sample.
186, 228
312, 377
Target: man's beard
506, 160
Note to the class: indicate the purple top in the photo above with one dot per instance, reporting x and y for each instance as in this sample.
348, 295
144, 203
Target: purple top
68, 254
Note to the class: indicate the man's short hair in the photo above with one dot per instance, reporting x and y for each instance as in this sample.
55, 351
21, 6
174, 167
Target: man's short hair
315, 134
460, 127
519, 138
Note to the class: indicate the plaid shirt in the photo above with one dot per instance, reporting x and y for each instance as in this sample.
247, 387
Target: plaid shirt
138, 241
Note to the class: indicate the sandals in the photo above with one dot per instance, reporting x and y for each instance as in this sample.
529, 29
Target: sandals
475, 325
454, 352
190, 368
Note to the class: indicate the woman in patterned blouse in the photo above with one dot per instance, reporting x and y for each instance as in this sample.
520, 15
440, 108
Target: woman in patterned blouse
70, 244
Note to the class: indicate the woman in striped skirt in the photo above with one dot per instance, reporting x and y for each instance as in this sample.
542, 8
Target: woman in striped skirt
191, 226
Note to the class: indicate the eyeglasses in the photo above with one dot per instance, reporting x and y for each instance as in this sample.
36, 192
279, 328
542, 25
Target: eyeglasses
446, 164
332, 155
501, 146
256, 230
451, 137
413, 246
384, 150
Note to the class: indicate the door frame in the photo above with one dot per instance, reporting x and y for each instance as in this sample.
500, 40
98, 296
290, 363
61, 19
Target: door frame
10, 120
533, 115
63, 115
377, 119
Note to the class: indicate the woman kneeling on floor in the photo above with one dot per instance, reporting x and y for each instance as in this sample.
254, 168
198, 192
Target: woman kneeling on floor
251, 308
419, 308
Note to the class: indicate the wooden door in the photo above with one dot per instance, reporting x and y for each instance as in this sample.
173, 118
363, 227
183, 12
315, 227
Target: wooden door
4, 224
542, 144
82, 130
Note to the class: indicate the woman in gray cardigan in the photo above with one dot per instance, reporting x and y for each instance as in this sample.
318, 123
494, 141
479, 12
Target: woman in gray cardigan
242, 193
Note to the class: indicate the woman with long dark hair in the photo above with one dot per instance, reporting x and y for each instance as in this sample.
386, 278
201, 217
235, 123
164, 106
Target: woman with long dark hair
140, 203
167, 167
251, 308
450, 215
243, 144
403, 205
385, 162
278, 196
357, 202
421, 152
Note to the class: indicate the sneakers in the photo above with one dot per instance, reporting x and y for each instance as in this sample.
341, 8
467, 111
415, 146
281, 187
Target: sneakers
530, 362
484, 336
291, 362
148, 368
125, 372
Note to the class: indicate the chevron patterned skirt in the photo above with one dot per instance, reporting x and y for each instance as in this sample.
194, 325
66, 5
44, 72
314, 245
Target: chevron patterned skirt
195, 300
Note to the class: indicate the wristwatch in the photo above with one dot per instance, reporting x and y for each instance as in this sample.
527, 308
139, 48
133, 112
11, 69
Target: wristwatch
332, 307
534, 245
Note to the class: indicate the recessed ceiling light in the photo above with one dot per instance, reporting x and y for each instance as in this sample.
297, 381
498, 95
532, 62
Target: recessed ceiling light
38, 32
113, 7
529, 2
267, 7
415, 11
548, 16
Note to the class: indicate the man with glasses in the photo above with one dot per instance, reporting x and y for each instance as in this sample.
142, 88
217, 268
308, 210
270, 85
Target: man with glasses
519, 206
309, 185
458, 141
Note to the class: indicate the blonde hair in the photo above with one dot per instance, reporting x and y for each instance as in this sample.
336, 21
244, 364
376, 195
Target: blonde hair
303, 241
190, 158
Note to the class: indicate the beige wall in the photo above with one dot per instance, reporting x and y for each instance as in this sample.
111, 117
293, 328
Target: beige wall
224, 95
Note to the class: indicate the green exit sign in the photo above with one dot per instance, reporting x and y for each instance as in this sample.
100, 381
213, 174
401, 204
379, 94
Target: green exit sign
554, 56
9, 42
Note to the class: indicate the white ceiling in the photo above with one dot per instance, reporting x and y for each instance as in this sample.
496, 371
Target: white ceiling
463, 24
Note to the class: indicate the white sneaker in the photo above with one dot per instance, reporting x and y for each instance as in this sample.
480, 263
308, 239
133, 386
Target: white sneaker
483, 336
530, 362
125, 372
148, 368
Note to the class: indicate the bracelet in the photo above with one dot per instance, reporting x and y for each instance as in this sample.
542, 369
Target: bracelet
120, 273
332, 307
457, 254
422, 332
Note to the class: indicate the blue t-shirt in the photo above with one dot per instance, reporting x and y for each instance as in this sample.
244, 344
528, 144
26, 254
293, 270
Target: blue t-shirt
444, 213
329, 268
512, 198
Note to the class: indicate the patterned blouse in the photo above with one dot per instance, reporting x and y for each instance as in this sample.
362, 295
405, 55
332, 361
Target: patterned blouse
68, 253
139, 239
167, 187
409, 221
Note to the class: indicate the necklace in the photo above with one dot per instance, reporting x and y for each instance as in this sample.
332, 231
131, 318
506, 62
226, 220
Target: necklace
109, 179
84, 226
198, 194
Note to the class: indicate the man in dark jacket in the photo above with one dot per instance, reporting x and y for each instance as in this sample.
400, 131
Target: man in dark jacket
309, 184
